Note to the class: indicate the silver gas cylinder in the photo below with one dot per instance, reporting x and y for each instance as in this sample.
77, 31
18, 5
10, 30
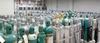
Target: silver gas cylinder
98, 30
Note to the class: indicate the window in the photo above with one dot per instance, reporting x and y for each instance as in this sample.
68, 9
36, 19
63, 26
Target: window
24, 8
28, 8
35, 8
20, 8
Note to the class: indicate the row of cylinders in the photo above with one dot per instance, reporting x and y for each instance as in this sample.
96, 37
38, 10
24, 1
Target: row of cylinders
7, 35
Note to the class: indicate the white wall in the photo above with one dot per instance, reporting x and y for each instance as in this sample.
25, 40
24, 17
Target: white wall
59, 5
51, 4
87, 5
79, 5
6, 7
64, 4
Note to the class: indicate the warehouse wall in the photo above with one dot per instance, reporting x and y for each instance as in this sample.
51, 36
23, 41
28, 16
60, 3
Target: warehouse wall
87, 5
59, 4
64, 4
6, 7
51, 4
79, 5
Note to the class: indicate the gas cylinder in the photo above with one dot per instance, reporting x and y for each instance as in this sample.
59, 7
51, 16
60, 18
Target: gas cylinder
11, 22
49, 32
9, 34
98, 39
2, 40
70, 15
61, 16
86, 28
82, 22
1, 28
32, 37
22, 37
41, 36
82, 26
94, 26
65, 21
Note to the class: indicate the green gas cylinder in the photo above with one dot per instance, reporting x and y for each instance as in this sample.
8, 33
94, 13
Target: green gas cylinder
10, 38
65, 22
41, 35
20, 34
70, 14
1, 28
21, 31
82, 22
32, 37
49, 32
86, 28
82, 25
11, 22
68, 19
48, 29
2, 40
1, 25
